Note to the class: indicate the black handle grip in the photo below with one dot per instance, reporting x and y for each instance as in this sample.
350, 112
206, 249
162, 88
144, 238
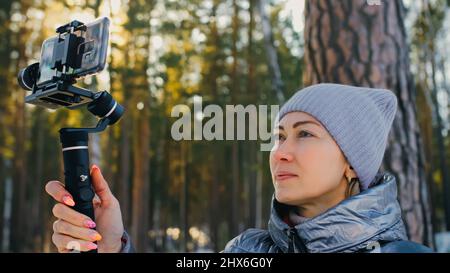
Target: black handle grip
77, 176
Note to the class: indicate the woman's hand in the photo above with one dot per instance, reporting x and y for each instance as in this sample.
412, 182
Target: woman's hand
74, 230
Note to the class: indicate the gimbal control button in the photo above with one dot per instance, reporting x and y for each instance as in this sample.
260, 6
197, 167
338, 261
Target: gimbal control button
86, 194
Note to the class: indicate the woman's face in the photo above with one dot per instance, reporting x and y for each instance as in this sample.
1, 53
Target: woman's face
307, 165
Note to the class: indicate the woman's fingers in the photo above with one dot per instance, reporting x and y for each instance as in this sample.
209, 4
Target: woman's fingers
96, 201
63, 227
73, 217
64, 250
64, 243
56, 190
100, 185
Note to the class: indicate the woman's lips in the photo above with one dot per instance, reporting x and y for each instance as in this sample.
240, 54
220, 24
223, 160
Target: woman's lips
281, 176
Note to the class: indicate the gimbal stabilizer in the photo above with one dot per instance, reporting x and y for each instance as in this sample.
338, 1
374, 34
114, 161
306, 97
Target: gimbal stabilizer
61, 92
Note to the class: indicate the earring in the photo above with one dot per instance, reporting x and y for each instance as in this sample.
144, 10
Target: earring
351, 185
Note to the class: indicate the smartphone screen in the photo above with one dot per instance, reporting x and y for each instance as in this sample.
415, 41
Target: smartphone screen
92, 52
46, 72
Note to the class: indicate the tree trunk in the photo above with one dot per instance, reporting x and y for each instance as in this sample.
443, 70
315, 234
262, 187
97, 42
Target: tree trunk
444, 167
124, 171
440, 141
141, 180
37, 186
351, 42
5, 100
219, 155
19, 223
235, 90
271, 52
255, 171
6, 215
184, 195
140, 29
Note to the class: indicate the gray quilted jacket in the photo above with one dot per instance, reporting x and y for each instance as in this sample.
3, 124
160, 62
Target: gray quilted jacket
368, 222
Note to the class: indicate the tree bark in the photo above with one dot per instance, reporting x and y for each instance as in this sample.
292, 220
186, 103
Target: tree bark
351, 42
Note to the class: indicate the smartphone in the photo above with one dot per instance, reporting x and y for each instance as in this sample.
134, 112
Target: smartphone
91, 53
46, 72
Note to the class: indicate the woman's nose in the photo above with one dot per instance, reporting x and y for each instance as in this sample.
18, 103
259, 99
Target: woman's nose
281, 153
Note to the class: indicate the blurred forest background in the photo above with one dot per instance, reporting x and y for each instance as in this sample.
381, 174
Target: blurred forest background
197, 195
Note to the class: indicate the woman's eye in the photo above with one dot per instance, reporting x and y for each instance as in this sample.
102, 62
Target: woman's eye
304, 134
279, 137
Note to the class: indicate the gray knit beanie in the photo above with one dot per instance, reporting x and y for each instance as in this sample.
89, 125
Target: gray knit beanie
358, 118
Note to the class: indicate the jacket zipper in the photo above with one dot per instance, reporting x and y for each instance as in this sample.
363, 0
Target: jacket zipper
292, 235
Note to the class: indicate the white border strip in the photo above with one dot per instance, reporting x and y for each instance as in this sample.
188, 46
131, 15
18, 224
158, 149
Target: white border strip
74, 148
21, 79
112, 110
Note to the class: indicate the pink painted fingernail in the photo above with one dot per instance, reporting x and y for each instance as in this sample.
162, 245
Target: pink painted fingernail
68, 200
89, 224
91, 246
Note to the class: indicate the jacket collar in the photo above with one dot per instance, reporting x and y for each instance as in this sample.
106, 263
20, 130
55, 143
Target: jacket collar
355, 223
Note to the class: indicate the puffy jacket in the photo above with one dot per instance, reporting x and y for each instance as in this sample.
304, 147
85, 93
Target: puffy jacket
367, 222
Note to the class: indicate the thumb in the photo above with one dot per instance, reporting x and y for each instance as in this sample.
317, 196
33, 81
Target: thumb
100, 185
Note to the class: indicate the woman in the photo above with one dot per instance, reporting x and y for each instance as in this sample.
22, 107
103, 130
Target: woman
329, 195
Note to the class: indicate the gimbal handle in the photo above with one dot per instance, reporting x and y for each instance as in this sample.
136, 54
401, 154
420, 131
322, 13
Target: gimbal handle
75, 150
77, 177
